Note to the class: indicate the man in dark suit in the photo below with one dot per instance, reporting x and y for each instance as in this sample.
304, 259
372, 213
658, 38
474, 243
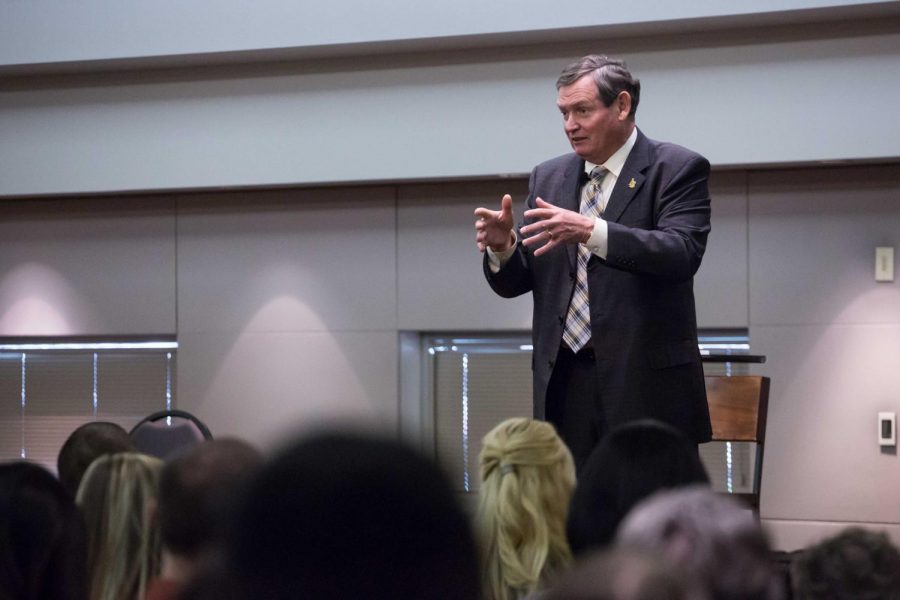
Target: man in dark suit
612, 236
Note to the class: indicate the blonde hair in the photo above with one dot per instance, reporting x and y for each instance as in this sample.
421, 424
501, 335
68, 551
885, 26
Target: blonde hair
527, 480
117, 497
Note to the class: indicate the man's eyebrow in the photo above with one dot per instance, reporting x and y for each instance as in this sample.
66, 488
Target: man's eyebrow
576, 105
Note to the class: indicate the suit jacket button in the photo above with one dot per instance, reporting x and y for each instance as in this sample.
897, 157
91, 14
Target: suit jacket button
562, 319
550, 363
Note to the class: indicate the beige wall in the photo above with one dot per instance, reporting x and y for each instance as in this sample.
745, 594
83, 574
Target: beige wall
832, 335
287, 308
93, 266
290, 305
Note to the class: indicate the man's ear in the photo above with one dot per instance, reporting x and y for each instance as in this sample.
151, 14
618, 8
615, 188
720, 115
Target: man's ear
623, 105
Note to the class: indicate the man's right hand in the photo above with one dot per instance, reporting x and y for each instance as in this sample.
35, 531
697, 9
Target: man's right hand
494, 227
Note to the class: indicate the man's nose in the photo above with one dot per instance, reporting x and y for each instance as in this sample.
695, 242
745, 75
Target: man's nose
571, 124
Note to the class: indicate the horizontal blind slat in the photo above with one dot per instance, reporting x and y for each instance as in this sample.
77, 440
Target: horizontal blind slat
498, 387
59, 396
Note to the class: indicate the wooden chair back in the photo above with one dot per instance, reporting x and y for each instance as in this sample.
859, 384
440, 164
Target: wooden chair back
738, 406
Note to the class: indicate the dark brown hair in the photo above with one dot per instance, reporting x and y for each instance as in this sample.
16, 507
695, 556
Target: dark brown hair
611, 76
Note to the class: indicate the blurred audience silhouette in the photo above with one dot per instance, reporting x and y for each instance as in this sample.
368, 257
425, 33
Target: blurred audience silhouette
42, 538
855, 564
86, 444
630, 463
347, 515
196, 490
710, 537
622, 574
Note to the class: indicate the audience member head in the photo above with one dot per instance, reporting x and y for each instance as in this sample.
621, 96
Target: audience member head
84, 445
118, 499
711, 537
623, 574
527, 478
855, 564
346, 516
195, 491
630, 463
42, 541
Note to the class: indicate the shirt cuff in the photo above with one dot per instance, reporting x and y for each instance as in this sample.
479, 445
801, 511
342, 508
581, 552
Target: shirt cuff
599, 241
496, 260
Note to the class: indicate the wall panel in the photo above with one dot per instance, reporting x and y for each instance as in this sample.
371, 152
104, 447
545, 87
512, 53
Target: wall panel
439, 269
721, 285
87, 267
832, 337
292, 260
813, 235
829, 382
265, 386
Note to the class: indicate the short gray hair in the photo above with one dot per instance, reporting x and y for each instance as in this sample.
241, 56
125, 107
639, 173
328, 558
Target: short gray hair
611, 76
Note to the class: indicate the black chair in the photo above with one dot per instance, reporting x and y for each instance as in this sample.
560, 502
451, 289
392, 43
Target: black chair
168, 431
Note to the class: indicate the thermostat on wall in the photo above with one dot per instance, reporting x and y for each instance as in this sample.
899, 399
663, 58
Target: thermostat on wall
887, 429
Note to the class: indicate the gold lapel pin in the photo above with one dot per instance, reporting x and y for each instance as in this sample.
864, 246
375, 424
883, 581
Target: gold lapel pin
632, 183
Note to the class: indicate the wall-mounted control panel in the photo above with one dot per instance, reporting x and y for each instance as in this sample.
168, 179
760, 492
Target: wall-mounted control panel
887, 429
884, 263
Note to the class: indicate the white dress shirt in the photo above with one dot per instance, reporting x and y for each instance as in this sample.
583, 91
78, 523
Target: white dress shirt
598, 242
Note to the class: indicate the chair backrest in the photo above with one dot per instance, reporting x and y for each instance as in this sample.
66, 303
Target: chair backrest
738, 406
167, 431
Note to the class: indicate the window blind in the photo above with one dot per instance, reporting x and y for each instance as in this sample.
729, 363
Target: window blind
477, 385
45, 394
480, 381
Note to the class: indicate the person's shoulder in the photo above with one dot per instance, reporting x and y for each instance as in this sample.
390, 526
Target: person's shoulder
669, 150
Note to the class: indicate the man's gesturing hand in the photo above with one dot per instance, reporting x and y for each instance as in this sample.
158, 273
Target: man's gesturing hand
553, 226
494, 228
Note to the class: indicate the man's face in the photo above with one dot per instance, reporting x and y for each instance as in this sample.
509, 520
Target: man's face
595, 131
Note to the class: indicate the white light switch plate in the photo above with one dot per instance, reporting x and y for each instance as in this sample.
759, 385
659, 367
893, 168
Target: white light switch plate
884, 263
887, 429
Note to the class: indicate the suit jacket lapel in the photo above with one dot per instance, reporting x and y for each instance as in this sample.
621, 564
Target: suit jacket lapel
630, 179
571, 200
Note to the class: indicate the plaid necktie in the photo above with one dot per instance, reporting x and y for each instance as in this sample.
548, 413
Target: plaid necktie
577, 330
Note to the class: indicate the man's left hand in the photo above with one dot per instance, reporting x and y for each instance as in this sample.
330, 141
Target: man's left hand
554, 226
